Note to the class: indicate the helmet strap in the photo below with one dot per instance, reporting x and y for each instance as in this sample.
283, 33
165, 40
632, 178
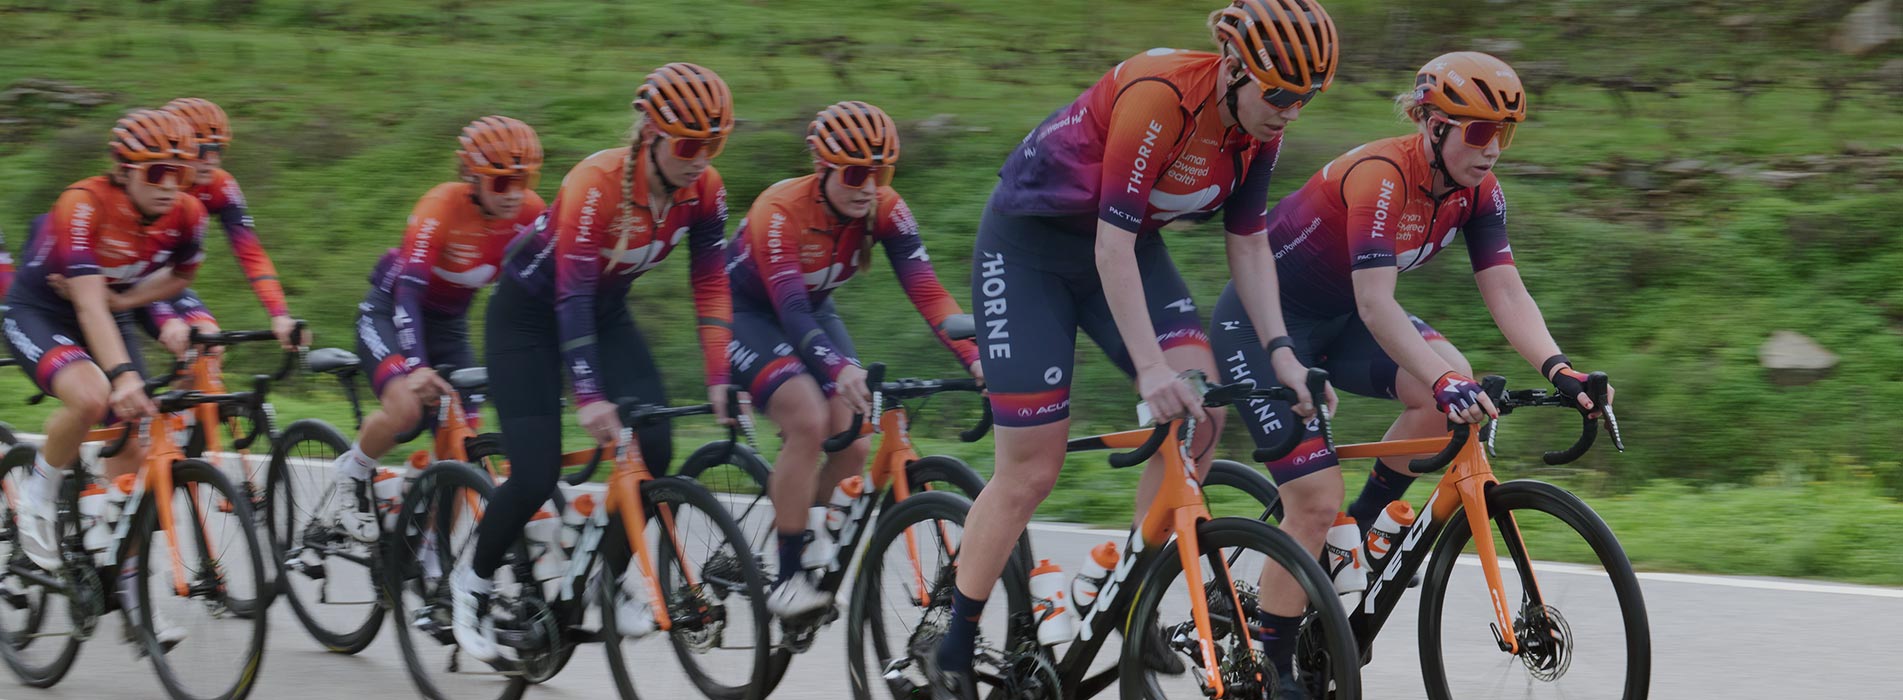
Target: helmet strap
654, 161
1437, 136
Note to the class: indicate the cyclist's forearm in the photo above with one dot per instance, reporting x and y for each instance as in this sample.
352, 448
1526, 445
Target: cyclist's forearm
1391, 327
1517, 315
1252, 266
164, 286
103, 342
1117, 267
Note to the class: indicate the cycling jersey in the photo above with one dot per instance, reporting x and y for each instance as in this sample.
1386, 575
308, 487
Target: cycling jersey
6, 266
94, 229
1143, 146
793, 251
1372, 207
449, 252
187, 307
588, 248
223, 199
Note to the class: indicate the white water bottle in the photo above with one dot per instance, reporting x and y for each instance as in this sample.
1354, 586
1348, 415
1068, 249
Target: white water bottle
848, 490
1346, 563
387, 489
819, 548
1049, 606
92, 512
1083, 589
544, 534
117, 493
574, 517
1394, 520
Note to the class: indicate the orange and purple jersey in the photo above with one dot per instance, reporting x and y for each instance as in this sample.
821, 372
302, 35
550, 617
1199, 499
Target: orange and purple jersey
224, 200
600, 234
1373, 207
6, 267
94, 229
449, 253
1142, 147
792, 250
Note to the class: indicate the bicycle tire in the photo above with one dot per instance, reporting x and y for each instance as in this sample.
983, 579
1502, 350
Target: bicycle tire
403, 553
282, 510
865, 612
194, 446
658, 492
7, 440
38, 675
1213, 536
190, 474
1527, 494
1230, 474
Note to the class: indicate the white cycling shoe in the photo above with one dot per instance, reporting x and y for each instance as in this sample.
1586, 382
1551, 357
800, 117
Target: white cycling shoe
796, 597
469, 609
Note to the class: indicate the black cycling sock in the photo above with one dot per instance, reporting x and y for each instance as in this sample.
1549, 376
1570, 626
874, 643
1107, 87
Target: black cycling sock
1384, 486
1278, 635
961, 636
791, 547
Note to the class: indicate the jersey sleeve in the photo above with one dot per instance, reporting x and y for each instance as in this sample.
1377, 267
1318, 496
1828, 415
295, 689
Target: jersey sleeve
421, 242
580, 222
1247, 211
1145, 123
897, 231
190, 252
776, 256
187, 307
73, 228
1374, 193
228, 205
6, 268
713, 299
1486, 229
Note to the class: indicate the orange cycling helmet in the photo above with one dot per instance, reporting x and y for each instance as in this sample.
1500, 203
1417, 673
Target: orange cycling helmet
208, 121
499, 146
1473, 85
1285, 44
152, 134
686, 101
854, 133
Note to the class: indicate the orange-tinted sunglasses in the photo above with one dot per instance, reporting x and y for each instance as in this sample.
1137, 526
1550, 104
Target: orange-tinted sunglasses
504, 184
158, 173
1479, 132
856, 175
689, 149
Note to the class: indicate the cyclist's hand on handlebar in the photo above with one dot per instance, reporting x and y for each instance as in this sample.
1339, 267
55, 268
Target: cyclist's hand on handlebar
1461, 399
428, 385
128, 399
1572, 382
1289, 372
717, 395
1168, 395
203, 327
175, 335
852, 387
283, 327
601, 420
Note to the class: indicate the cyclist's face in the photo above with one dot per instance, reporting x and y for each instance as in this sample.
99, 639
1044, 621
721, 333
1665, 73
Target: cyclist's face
1256, 116
1467, 165
155, 187
850, 202
499, 205
209, 158
680, 171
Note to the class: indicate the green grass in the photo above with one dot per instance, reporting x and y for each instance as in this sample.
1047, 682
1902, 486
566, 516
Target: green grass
345, 112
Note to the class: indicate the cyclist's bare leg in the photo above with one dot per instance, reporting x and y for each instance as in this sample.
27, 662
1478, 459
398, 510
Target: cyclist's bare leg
1028, 458
845, 463
1186, 357
399, 412
1309, 505
800, 409
84, 395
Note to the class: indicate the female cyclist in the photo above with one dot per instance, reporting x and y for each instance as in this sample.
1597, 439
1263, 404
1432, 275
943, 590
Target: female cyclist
1166, 135
1344, 237
562, 302
415, 316
802, 238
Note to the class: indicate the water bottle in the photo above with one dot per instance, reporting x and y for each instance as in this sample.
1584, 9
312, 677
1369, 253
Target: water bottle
819, 543
386, 488
1394, 520
1053, 612
1346, 563
574, 517
1083, 589
848, 490
117, 493
544, 534
92, 520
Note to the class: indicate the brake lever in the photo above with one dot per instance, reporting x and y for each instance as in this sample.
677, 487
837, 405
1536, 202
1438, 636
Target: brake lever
1493, 429
1612, 426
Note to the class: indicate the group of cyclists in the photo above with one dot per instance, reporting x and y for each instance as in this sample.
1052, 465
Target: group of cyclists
1164, 136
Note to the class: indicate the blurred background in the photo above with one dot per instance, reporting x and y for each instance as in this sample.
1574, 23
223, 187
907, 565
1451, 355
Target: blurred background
1698, 177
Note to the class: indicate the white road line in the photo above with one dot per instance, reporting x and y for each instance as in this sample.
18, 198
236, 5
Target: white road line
1762, 584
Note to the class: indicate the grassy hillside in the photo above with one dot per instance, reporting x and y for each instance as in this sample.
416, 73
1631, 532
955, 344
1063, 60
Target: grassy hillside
1695, 176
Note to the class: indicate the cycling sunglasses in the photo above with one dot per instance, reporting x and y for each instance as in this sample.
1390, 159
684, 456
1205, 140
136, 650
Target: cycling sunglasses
1479, 132
689, 149
1284, 99
158, 173
504, 184
856, 175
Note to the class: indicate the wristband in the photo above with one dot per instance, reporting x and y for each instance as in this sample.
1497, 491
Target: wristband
1546, 368
112, 375
1280, 341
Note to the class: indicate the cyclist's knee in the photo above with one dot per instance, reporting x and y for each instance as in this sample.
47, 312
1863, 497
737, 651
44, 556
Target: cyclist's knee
402, 406
84, 391
800, 410
1310, 503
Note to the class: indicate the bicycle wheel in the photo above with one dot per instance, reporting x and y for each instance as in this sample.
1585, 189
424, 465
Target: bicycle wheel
329, 577
901, 603
738, 477
1572, 646
189, 576
38, 636
435, 533
7, 440
1234, 489
715, 593
1235, 552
